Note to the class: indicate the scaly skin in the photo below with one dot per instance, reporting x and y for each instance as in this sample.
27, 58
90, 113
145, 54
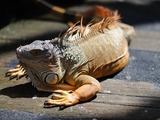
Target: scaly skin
69, 65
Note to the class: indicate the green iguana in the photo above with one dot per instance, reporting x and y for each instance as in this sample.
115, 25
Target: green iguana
70, 64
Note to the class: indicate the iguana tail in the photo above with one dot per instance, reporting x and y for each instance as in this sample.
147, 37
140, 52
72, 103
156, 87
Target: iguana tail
94, 13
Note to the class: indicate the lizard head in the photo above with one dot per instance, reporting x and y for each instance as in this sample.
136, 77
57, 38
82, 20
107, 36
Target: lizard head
41, 60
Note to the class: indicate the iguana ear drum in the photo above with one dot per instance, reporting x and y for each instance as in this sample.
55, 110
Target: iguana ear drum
51, 78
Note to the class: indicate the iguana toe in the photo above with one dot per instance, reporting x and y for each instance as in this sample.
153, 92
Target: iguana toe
57, 96
61, 94
17, 72
65, 99
60, 102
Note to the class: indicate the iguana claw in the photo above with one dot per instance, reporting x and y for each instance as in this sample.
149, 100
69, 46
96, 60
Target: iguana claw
66, 98
17, 72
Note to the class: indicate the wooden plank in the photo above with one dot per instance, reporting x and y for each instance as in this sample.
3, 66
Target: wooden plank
124, 101
92, 110
146, 40
142, 89
128, 100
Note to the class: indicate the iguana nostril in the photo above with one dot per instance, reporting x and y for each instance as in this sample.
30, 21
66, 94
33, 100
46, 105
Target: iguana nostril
18, 49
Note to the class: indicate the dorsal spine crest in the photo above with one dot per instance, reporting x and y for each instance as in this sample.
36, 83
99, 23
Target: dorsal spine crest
77, 32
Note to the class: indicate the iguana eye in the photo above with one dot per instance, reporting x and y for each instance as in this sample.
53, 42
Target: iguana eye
36, 52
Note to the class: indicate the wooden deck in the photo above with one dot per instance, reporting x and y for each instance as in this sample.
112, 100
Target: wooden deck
118, 99
132, 94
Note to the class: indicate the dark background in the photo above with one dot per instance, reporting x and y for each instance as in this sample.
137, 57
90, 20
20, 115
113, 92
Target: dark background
133, 12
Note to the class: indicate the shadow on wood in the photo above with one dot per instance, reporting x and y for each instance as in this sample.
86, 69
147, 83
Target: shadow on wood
23, 91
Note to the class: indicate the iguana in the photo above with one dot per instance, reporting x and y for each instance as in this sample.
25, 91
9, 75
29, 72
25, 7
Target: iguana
70, 63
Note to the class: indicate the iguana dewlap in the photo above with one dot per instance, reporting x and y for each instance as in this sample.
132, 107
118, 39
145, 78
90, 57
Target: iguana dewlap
71, 63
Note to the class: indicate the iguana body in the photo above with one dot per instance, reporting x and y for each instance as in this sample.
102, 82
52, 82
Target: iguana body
75, 60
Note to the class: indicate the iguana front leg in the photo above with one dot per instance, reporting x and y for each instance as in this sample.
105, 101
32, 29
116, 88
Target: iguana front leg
87, 88
17, 72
